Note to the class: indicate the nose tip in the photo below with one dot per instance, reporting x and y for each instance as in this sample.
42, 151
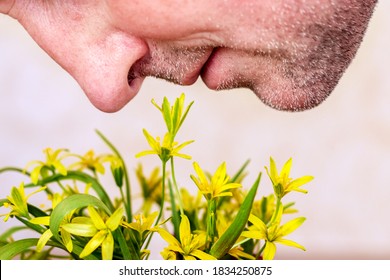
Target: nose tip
110, 97
102, 69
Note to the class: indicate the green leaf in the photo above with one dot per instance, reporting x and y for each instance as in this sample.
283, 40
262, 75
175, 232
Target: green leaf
9, 251
83, 177
229, 237
32, 226
8, 233
128, 250
69, 204
239, 173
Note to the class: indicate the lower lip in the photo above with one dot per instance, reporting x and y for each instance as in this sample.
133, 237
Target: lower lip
211, 71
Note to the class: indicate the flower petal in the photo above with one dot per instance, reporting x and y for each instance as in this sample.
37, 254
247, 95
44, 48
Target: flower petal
113, 222
86, 230
185, 229
67, 240
60, 168
202, 255
269, 251
291, 243
285, 173
292, 225
294, 185
93, 243
43, 240
41, 220
168, 237
254, 234
96, 219
108, 247
258, 223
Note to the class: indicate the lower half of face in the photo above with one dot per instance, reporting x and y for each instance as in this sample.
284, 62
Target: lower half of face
290, 54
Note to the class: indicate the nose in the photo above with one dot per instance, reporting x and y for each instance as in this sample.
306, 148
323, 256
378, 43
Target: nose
102, 70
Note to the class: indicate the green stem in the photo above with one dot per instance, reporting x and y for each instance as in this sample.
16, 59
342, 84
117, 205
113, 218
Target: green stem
175, 215
180, 201
127, 202
15, 169
261, 251
164, 163
277, 213
211, 223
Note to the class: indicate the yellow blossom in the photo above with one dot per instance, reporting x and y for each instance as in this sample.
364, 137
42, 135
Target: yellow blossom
142, 225
17, 201
90, 161
99, 228
165, 150
45, 220
53, 163
219, 184
190, 245
282, 182
272, 234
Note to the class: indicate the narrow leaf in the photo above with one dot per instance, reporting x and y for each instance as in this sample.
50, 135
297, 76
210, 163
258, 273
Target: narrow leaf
8, 233
11, 250
239, 173
128, 250
69, 204
229, 237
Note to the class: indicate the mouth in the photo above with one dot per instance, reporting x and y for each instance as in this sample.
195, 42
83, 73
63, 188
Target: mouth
181, 66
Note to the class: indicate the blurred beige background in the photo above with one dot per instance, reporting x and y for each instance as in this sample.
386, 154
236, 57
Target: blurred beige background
344, 143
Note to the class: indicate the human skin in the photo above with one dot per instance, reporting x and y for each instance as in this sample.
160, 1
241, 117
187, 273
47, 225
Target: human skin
290, 53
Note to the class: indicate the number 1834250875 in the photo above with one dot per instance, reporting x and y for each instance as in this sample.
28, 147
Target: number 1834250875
242, 270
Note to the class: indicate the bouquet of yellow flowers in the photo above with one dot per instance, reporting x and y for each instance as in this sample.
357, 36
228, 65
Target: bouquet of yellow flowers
223, 221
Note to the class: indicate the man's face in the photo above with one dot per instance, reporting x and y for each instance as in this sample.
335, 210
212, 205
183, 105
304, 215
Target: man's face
291, 53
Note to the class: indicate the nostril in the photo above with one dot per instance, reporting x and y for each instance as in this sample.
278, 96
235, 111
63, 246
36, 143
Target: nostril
131, 76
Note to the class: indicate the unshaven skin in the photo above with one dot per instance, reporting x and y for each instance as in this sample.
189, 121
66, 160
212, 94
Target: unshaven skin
290, 53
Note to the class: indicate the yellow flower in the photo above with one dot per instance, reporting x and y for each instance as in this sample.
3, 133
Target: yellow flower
273, 234
45, 220
190, 245
143, 225
90, 161
53, 163
165, 150
282, 182
99, 228
219, 184
17, 201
